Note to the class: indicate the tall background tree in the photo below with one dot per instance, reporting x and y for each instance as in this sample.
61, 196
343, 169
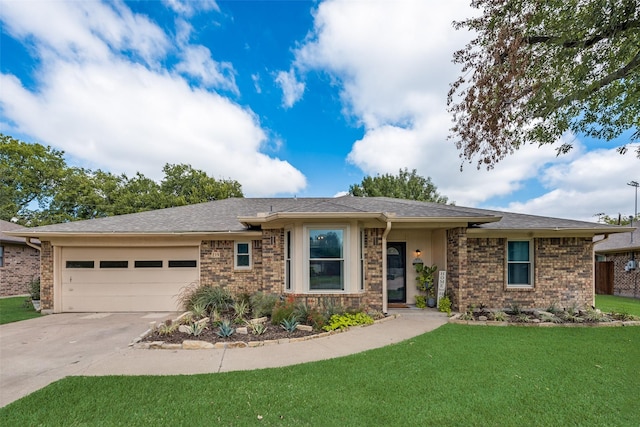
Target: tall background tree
37, 187
405, 185
538, 69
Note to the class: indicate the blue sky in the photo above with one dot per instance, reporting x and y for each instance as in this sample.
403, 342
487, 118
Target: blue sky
288, 97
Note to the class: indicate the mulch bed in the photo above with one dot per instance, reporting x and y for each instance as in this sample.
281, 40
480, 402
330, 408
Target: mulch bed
273, 332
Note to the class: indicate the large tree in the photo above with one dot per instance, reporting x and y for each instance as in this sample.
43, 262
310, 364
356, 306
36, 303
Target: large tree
38, 187
29, 175
405, 185
537, 69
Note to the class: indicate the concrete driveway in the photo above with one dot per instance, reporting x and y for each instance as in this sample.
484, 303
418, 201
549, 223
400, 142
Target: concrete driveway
37, 352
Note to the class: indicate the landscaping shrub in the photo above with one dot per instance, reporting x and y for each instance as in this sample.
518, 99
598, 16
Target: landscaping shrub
343, 321
34, 289
212, 298
283, 310
262, 304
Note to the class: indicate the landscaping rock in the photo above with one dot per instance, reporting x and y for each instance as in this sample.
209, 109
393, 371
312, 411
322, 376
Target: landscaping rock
259, 320
183, 328
482, 318
242, 331
195, 345
307, 328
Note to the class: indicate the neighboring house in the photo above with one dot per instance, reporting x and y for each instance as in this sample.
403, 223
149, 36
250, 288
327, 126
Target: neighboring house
19, 262
358, 251
618, 264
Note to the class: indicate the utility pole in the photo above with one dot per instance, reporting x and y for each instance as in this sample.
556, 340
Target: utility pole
635, 211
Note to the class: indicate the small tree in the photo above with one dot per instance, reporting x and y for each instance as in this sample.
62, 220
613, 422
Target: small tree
405, 185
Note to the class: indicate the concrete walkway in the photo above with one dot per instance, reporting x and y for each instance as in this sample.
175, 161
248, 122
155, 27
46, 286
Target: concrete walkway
37, 352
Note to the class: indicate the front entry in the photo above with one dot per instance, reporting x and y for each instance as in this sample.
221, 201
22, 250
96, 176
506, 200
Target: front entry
396, 272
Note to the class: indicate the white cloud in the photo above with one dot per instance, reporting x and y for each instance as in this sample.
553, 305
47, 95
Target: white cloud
86, 30
197, 63
292, 89
593, 182
392, 63
190, 7
112, 113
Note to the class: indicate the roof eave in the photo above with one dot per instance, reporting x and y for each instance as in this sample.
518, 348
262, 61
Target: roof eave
45, 235
548, 231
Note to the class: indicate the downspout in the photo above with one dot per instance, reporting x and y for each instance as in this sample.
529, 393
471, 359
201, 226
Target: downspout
384, 268
33, 245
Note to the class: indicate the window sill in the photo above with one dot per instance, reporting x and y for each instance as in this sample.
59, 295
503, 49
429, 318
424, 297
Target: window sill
519, 288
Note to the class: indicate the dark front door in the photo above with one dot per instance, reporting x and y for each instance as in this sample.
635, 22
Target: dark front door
396, 272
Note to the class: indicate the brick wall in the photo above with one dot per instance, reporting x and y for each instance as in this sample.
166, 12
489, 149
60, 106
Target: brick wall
21, 266
625, 283
457, 266
217, 267
46, 276
563, 274
267, 274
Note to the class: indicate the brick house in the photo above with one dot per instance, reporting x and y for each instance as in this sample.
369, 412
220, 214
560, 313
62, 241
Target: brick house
359, 251
19, 262
619, 258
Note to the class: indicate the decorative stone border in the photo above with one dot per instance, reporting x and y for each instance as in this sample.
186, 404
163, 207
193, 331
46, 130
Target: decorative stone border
203, 345
615, 323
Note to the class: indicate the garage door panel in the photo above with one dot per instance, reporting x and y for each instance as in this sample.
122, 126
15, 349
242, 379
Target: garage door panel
126, 289
118, 304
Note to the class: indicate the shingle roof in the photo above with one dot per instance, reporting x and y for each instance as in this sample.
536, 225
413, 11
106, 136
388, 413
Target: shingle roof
621, 242
10, 226
222, 216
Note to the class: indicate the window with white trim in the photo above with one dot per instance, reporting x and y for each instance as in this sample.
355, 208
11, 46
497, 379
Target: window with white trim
326, 259
242, 258
1, 256
287, 259
519, 263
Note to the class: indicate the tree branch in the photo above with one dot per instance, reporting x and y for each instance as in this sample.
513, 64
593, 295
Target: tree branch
597, 85
624, 26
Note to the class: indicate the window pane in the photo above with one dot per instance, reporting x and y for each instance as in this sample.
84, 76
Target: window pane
518, 251
325, 243
79, 264
243, 261
148, 264
518, 274
114, 264
243, 248
288, 273
326, 275
183, 263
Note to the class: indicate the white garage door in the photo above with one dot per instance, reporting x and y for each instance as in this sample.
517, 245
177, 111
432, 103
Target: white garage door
126, 279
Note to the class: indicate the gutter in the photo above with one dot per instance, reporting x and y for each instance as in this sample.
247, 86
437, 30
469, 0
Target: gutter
27, 240
384, 268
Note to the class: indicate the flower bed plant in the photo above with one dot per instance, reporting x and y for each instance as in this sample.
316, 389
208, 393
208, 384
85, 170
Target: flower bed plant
216, 316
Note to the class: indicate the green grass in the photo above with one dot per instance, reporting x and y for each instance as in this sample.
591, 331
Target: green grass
610, 303
13, 309
455, 375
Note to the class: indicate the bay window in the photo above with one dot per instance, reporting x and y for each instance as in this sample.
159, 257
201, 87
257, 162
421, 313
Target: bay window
326, 259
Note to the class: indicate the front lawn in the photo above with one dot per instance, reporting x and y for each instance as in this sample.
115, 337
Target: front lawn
611, 303
15, 309
455, 375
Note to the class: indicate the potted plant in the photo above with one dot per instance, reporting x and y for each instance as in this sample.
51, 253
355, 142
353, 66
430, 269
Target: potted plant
425, 279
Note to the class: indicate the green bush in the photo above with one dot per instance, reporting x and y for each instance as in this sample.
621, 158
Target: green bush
421, 301
343, 321
445, 305
34, 289
212, 298
262, 304
283, 310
